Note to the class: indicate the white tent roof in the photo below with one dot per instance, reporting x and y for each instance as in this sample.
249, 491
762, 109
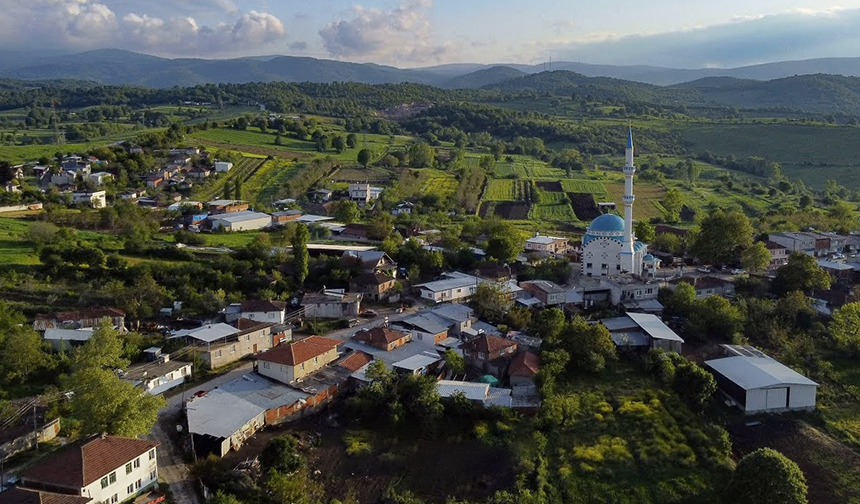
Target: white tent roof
757, 372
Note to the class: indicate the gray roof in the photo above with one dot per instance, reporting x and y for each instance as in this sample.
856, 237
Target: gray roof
419, 361
757, 372
234, 217
226, 409
544, 240
619, 323
630, 338
473, 391
452, 311
68, 334
153, 370
449, 283
834, 265
654, 327
500, 397
544, 285
427, 322
487, 328
208, 333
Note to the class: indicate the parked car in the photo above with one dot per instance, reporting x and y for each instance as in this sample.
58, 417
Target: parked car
369, 314
738, 271
353, 322
703, 269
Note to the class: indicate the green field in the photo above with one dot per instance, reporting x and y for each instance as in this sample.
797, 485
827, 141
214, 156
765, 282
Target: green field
643, 208
584, 186
499, 190
14, 249
214, 187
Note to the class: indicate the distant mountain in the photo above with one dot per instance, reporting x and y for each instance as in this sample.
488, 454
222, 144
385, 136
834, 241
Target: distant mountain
485, 77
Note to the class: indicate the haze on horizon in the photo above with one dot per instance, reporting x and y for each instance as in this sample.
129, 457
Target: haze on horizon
411, 33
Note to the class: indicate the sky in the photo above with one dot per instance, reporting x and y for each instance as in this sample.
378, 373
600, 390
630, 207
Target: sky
414, 33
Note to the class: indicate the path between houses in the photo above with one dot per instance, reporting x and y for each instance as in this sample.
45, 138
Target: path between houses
171, 466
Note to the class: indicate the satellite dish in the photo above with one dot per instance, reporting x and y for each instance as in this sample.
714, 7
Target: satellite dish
178, 428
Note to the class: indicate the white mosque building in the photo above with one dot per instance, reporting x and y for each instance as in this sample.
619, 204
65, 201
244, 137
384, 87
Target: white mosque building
609, 248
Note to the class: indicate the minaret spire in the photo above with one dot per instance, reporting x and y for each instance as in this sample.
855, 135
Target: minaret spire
628, 253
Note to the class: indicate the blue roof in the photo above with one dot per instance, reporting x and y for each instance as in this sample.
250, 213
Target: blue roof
607, 223
648, 257
630, 138
638, 246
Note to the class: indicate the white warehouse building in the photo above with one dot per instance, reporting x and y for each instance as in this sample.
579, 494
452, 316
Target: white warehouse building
760, 384
241, 221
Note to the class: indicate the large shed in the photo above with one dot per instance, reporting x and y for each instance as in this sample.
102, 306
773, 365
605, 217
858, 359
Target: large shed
760, 384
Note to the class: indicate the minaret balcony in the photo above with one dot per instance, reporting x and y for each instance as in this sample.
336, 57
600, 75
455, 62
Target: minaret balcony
628, 200
629, 170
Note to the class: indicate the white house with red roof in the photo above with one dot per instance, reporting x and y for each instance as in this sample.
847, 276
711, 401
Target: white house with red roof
288, 363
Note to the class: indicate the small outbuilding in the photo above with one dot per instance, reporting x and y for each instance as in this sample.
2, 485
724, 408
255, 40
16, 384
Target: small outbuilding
757, 383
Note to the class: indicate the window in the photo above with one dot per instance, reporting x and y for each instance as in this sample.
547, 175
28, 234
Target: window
137, 485
316, 360
618, 267
233, 349
218, 354
137, 462
130, 489
152, 475
587, 265
128, 468
302, 365
114, 499
265, 365
247, 337
104, 482
112, 477
151, 454
482, 355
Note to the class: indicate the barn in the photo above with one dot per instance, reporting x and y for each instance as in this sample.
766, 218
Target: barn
760, 384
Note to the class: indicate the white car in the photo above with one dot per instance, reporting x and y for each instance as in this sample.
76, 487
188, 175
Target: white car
738, 271
703, 269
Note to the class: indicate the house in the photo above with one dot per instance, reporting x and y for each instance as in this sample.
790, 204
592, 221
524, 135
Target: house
489, 354
354, 231
17, 433
132, 194
20, 495
363, 194
706, 286
321, 195
425, 328
478, 393
839, 271
419, 364
281, 218
158, 376
65, 339
371, 261
548, 293
197, 172
813, 243
81, 319
778, 255
135, 149
257, 310
404, 208
104, 469
221, 344
99, 178
459, 318
93, 199
289, 363
547, 245
227, 206
454, 287
240, 221
153, 180
757, 383
332, 304
523, 368
373, 286
641, 331
383, 338
223, 166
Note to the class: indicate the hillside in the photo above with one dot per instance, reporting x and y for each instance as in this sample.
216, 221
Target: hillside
485, 77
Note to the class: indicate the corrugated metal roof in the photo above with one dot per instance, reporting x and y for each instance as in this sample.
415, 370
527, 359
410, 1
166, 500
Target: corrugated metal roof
654, 327
452, 311
234, 217
472, 391
419, 361
757, 372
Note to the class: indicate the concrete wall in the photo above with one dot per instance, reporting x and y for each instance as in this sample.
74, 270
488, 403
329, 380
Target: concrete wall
24, 442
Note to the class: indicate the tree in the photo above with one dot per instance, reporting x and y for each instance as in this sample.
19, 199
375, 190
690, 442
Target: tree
227, 194
503, 248
547, 324
323, 143
300, 253
351, 140
756, 257
454, 361
766, 476
644, 231
673, 202
237, 190
223, 498
693, 383
421, 155
491, 301
845, 328
140, 300
347, 211
338, 144
104, 403
364, 157
23, 353
590, 346
281, 454
722, 236
103, 350
801, 273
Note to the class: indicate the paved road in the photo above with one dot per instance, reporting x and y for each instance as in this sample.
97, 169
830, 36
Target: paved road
391, 313
171, 466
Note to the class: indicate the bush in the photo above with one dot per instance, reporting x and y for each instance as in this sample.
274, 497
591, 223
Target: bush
766, 476
357, 444
281, 455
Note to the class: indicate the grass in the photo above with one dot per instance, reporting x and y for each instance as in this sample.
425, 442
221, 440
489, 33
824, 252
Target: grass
583, 186
499, 190
14, 249
266, 184
243, 170
643, 208
226, 240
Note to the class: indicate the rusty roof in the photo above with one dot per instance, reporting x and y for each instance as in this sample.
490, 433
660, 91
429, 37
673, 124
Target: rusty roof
525, 364
262, 305
83, 314
488, 344
379, 336
300, 351
78, 466
355, 361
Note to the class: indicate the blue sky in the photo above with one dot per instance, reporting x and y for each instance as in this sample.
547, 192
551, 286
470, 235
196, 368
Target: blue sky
679, 33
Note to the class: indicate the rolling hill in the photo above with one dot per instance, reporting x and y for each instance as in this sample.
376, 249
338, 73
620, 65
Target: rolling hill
485, 77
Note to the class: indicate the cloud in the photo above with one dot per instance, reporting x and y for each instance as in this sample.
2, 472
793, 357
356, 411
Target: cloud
403, 34
796, 34
299, 46
84, 24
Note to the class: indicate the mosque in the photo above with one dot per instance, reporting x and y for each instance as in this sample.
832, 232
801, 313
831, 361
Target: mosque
609, 247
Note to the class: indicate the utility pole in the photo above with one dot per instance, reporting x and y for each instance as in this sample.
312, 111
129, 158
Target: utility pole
35, 429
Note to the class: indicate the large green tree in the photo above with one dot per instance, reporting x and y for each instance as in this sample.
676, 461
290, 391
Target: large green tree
421, 155
845, 328
363, 157
589, 346
102, 402
491, 301
766, 476
802, 273
300, 253
346, 211
722, 237
756, 257
644, 231
548, 324
23, 353
102, 351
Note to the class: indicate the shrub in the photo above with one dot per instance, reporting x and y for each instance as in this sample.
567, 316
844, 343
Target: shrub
357, 443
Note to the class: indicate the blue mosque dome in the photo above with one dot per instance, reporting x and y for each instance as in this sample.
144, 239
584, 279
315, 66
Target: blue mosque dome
607, 223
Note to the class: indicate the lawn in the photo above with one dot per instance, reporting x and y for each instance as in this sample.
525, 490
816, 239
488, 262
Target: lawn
14, 249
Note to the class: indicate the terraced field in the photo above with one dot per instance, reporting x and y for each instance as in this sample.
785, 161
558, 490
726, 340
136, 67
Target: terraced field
646, 197
243, 170
500, 190
442, 186
584, 186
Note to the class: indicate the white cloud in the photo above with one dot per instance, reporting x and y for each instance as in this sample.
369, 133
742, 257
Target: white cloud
84, 24
401, 35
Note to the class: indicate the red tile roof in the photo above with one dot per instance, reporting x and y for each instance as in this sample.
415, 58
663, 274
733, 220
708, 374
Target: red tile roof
300, 351
525, 364
25, 496
379, 337
488, 344
355, 361
79, 466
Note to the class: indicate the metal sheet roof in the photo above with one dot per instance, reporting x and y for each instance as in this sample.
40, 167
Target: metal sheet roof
472, 391
68, 334
757, 372
452, 311
654, 327
245, 216
419, 361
